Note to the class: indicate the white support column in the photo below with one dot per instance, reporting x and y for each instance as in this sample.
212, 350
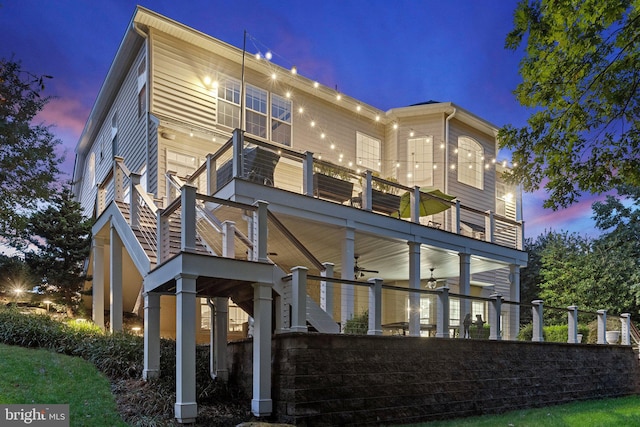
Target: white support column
228, 239
186, 408
326, 289
538, 321
220, 329
237, 164
134, 216
572, 322
188, 218
514, 295
414, 283
299, 299
115, 288
464, 283
307, 174
489, 227
347, 292
455, 218
97, 287
212, 175
260, 231
366, 192
415, 204
261, 402
495, 308
602, 327
442, 327
151, 336
625, 320
375, 307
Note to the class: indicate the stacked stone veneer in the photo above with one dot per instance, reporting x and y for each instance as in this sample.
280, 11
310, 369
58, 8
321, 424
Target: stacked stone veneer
323, 379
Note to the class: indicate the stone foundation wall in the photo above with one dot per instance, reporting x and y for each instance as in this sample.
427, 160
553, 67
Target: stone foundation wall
323, 379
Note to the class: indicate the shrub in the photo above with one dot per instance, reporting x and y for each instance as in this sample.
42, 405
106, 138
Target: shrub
119, 356
552, 333
358, 324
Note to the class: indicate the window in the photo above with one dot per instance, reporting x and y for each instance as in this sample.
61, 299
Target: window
505, 200
182, 164
454, 312
368, 152
470, 162
420, 160
205, 314
280, 120
229, 102
92, 169
114, 135
142, 87
237, 316
256, 104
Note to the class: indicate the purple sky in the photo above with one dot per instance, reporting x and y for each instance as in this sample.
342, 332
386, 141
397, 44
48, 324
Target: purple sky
385, 53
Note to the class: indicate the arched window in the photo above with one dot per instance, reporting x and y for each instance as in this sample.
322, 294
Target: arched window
470, 162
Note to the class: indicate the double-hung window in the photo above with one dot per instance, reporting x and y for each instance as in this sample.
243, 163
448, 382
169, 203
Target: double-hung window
368, 152
256, 105
470, 162
420, 160
229, 102
280, 120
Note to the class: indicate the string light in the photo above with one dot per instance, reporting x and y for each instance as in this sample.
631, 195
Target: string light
293, 71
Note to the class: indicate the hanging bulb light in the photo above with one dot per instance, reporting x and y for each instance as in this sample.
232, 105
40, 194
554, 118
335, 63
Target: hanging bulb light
431, 282
268, 55
294, 70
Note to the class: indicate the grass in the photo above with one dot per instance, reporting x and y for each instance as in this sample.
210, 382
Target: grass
623, 411
42, 377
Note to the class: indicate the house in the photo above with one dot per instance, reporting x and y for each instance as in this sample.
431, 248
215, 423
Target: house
214, 174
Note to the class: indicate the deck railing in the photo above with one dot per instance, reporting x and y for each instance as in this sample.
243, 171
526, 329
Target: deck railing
440, 313
267, 164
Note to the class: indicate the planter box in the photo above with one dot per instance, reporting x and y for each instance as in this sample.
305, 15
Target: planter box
328, 187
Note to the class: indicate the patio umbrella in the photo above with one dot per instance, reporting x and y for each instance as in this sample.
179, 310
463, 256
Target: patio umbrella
432, 201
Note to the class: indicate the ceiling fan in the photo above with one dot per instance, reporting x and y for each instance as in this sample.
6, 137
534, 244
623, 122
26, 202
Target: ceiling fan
358, 271
432, 281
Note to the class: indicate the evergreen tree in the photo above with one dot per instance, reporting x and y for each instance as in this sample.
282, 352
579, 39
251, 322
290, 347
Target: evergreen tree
28, 162
62, 237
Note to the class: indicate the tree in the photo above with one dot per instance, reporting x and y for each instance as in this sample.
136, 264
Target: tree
62, 237
28, 162
15, 275
592, 274
581, 76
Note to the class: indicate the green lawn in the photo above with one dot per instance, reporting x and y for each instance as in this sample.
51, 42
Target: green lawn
43, 377
624, 411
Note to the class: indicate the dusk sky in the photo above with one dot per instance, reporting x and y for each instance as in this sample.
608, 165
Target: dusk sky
386, 53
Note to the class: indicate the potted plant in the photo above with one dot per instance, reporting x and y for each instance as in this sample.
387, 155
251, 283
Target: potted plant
332, 182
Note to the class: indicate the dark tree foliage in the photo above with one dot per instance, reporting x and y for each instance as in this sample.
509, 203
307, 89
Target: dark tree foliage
62, 237
581, 78
14, 274
28, 162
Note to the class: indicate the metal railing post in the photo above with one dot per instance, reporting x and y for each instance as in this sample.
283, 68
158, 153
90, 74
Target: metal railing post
625, 331
442, 326
495, 307
602, 327
375, 307
307, 174
299, 299
538, 321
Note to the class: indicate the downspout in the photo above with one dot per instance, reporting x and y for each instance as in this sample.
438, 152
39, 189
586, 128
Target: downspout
212, 361
446, 162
